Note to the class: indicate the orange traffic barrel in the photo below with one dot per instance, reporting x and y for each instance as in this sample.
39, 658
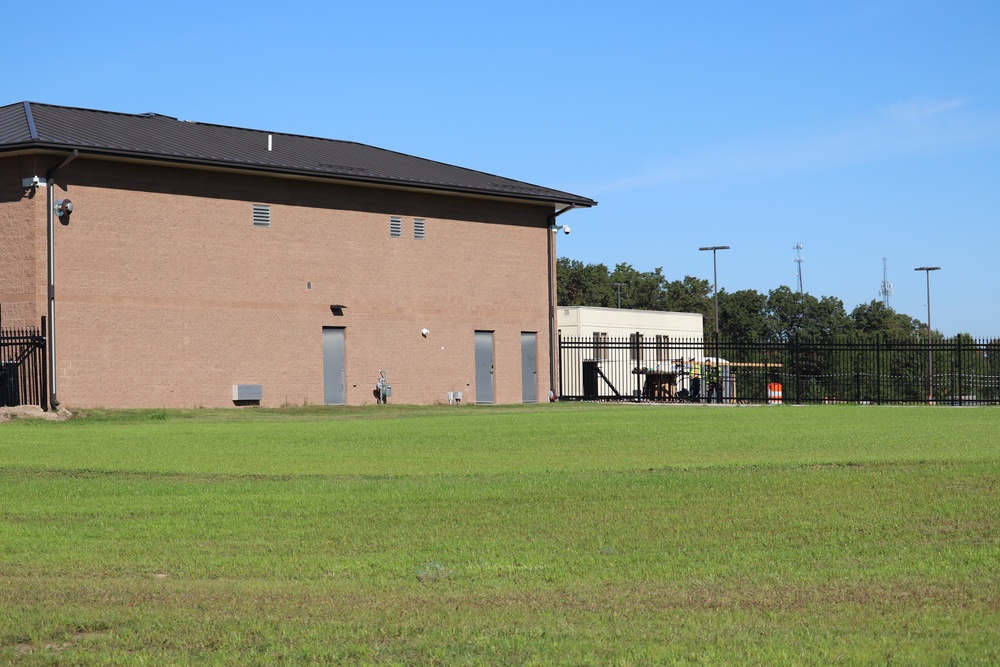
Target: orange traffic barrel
774, 393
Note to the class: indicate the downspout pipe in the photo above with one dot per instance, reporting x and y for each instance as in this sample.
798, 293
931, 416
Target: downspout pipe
553, 346
50, 334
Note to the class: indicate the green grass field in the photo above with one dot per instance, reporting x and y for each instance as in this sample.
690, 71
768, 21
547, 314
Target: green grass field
568, 534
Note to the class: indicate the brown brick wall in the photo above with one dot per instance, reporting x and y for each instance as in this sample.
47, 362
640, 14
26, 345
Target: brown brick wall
22, 244
167, 295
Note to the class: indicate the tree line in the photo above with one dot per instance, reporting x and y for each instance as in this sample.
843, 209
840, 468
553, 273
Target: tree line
744, 315
808, 332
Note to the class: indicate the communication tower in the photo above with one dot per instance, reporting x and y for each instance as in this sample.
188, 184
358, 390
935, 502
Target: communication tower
798, 260
886, 291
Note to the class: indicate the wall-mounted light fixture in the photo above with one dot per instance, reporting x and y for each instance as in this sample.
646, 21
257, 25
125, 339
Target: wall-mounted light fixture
63, 208
337, 309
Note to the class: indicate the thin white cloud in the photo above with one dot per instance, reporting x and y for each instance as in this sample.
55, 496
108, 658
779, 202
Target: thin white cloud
901, 130
920, 109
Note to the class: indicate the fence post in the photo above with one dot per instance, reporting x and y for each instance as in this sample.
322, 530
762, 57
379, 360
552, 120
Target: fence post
961, 383
878, 369
45, 367
794, 342
856, 359
637, 395
559, 352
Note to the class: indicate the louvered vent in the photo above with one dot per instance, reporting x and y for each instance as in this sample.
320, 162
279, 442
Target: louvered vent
419, 228
261, 215
395, 227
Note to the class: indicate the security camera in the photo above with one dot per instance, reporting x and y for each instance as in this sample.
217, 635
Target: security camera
424, 332
565, 229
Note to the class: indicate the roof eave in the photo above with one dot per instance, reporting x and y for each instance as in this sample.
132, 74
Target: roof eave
242, 167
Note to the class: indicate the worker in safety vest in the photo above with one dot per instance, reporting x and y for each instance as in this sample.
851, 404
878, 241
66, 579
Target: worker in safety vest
714, 379
695, 380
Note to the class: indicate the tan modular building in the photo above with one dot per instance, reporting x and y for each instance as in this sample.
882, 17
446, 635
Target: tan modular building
582, 321
616, 353
181, 264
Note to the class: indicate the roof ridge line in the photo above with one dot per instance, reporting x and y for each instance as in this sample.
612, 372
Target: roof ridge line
299, 135
98, 111
296, 134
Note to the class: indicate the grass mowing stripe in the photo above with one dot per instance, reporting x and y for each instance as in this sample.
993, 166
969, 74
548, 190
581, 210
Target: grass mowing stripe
472, 440
698, 524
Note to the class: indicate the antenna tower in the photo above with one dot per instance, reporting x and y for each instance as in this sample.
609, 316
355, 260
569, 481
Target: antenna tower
886, 291
798, 260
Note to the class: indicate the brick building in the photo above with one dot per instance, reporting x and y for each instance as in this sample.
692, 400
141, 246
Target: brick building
203, 265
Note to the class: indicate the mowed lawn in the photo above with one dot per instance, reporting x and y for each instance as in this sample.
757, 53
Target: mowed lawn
547, 534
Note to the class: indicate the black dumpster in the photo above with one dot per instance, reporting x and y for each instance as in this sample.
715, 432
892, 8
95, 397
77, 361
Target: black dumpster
590, 380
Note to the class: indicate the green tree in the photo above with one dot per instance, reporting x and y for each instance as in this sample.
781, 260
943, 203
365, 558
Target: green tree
690, 295
967, 378
579, 284
642, 290
990, 373
877, 318
801, 314
742, 316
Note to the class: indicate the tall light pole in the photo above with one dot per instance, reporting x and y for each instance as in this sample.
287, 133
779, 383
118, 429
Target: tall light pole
715, 281
930, 350
619, 286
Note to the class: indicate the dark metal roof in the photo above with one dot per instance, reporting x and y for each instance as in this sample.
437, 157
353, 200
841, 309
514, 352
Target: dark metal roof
27, 125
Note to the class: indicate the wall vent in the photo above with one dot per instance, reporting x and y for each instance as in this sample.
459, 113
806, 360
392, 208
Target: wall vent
248, 392
261, 215
395, 227
419, 228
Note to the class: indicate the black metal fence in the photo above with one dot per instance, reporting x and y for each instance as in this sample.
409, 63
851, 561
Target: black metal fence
22, 367
959, 371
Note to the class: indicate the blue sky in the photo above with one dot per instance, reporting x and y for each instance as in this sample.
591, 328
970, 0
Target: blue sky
863, 130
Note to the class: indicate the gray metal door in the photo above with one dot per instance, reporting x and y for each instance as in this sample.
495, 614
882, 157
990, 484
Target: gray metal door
334, 377
529, 367
484, 367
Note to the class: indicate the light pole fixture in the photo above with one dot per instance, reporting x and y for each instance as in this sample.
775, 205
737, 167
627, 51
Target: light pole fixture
930, 351
715, 280
619, 286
